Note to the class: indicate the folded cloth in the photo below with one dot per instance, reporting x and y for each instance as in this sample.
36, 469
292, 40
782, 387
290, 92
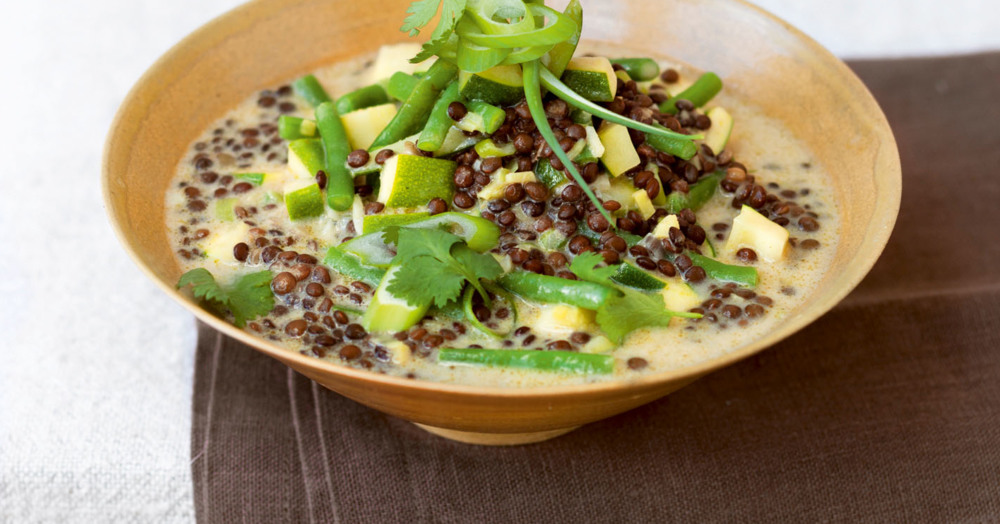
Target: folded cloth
884, 409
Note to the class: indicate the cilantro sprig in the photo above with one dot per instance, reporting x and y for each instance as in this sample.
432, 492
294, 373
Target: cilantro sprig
434, 266
628, 311
420, 13
247, 298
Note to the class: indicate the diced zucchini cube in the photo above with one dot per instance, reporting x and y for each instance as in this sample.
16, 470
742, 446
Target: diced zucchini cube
592, 77
412, 181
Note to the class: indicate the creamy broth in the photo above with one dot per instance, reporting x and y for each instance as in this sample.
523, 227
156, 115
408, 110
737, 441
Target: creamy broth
245, 141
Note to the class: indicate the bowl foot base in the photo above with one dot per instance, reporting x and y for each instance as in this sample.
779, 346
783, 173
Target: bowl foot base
495, 439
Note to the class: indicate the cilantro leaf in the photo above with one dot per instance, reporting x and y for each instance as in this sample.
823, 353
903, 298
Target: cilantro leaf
621, 314
249, 297
425, 279
434, 265
203, 285
416, 242
585, 267
420, 14
481, 264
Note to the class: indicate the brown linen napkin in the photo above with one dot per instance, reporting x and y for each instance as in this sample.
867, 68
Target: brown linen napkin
885, 409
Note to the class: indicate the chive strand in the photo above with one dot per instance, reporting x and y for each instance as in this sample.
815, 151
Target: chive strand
572, 98
533, 95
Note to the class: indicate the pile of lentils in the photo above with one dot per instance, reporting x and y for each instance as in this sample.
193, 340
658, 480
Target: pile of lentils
320, 309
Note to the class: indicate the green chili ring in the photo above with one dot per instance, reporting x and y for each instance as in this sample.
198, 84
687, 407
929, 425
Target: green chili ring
471, 316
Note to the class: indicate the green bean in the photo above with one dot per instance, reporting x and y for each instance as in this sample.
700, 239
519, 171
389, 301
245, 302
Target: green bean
351, 266
339, 181
679, 147
640, 69
415, 111
401, 85
439, 122
555, 290
697, 196
361, 98
482, 117
308, 87
699, 93
743, 275
559, 361
294, 128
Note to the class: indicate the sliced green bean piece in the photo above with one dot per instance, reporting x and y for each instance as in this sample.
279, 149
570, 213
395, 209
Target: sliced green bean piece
639, 69
439, 122
361, 98
555, 290
339, 181
294, 128
558, 361
482, 117
309, 88
699, 93
679, 147
401, 85
743, 275
697, 196
415, 111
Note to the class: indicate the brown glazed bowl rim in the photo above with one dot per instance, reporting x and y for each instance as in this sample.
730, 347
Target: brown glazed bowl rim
883, 219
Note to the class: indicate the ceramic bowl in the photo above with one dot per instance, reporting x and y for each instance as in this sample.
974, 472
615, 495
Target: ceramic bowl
268, 42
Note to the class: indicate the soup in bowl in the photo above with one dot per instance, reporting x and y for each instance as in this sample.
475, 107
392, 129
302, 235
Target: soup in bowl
407, 235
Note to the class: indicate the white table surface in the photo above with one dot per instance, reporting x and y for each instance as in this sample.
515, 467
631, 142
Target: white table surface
96, 365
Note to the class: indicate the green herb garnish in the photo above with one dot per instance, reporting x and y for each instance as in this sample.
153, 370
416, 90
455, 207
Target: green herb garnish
620, 314
420, 14
248, 298
434, 266
480, 34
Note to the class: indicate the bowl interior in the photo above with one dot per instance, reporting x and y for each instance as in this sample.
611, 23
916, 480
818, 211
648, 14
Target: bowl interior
264, 43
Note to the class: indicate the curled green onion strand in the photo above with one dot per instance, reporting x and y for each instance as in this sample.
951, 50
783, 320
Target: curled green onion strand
558, 28
533, 95
558, 88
